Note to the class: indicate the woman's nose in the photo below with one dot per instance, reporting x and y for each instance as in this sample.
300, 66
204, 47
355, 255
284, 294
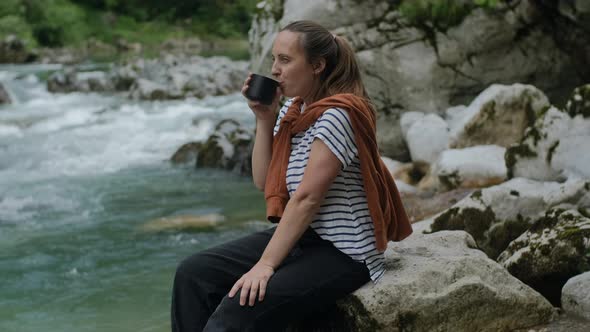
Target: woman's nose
274, 70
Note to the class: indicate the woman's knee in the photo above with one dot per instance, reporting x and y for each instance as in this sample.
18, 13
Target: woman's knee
193, 267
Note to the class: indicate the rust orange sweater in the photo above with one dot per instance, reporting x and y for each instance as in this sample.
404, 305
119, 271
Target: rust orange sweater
385, 206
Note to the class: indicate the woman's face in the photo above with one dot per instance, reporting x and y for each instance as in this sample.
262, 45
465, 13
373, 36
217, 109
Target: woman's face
290, 66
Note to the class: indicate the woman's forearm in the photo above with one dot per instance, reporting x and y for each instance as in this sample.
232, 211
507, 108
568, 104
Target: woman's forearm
262, 152
296, 218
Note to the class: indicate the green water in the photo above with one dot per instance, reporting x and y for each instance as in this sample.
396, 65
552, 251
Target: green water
88, 265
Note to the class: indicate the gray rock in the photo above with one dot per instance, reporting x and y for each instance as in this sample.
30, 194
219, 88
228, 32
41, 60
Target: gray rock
123, 77
579, 102
575, 295
4, 96
439, 282
555, 147
497, 215
554, 249
499, 116
146, 89
70, 80
187, 153
427, 138
94, 81
63, 81
474, 167
228, 148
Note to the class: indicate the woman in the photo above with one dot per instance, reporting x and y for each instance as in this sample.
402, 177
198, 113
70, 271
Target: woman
323, 179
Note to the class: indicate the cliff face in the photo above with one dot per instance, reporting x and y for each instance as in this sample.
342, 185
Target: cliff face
411, 65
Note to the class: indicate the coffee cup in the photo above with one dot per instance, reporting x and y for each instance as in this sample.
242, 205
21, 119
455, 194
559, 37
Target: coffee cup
262, 89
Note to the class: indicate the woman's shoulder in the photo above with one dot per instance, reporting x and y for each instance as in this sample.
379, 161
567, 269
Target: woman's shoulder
335, 113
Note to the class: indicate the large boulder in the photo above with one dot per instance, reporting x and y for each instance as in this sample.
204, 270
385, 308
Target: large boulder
187, 153
556, 146
497, 215
555, 248
473, 167
426, 137
499, 115
229, 147
439, 282
63, 81
70, 80
575, 295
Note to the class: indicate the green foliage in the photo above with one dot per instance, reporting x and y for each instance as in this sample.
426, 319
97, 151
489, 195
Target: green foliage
16, 25
235, 49
486, 3
56, 22
11, 7
440, 14
218, 17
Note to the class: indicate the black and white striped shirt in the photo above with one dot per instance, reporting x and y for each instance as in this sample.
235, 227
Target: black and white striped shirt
343, 217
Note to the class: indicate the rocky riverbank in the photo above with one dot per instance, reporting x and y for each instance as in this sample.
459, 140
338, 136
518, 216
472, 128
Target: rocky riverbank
169, 77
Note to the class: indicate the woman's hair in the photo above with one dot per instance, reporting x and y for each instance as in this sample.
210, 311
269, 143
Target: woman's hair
341, 74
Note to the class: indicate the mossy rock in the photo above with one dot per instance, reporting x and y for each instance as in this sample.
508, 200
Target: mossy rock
210, 154
474, 221
519, 151
554, 249
450, 181
229, 148
186, 153
579, 102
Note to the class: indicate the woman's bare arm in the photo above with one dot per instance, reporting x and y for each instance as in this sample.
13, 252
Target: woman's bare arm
262, 152
322, 168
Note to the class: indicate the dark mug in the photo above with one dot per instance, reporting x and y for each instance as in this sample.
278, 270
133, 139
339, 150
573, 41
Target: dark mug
262, 89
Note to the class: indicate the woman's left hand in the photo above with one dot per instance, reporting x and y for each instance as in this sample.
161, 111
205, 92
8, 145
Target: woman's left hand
253, 283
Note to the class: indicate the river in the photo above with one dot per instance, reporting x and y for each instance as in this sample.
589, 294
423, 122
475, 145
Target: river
80, 175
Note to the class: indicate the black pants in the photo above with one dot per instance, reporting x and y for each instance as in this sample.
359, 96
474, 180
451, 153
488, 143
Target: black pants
312, 277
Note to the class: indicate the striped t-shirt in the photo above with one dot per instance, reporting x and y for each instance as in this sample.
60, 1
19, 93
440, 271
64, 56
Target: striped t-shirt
343, 218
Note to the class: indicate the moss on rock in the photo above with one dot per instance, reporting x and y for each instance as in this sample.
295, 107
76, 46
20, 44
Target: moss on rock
477, 195
450, 181
579, 102
210, 154
474, 221
551, 151
554, 249
516, 152
501, 234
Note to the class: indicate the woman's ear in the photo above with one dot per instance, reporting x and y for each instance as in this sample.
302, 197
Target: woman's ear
319, 66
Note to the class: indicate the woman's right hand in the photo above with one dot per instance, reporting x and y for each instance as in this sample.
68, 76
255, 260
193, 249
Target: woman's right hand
261, 111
